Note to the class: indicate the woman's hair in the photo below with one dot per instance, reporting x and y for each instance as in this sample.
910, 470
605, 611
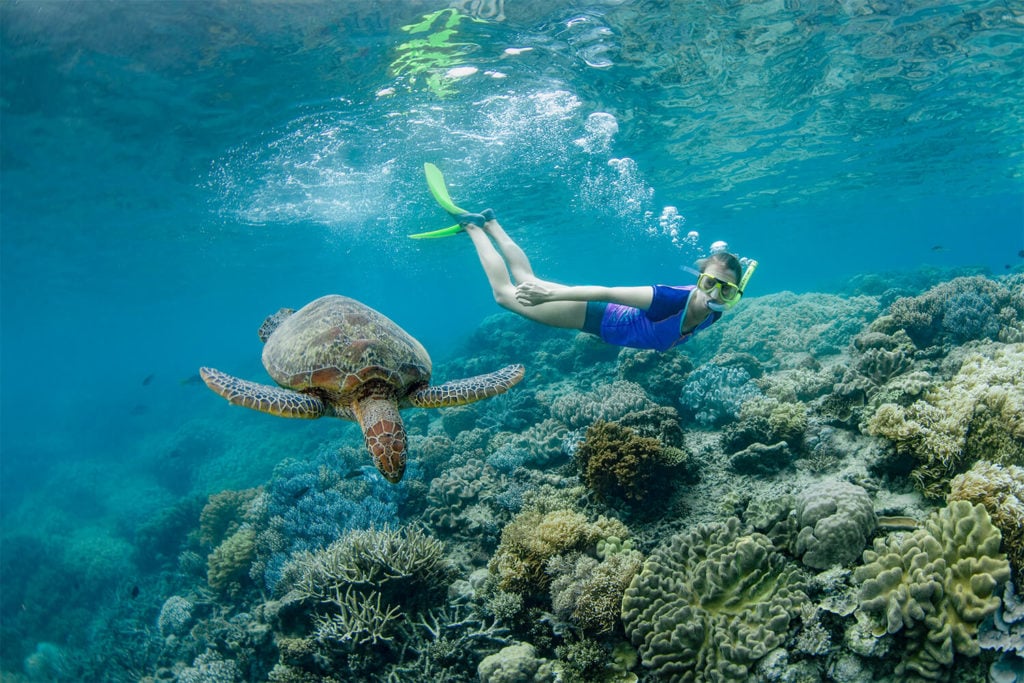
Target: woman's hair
724, 259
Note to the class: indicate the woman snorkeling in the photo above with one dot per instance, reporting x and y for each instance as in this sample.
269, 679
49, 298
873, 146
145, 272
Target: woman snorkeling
646, 317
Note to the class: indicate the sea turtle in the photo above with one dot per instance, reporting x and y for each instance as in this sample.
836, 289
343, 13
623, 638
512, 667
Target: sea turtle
338, 357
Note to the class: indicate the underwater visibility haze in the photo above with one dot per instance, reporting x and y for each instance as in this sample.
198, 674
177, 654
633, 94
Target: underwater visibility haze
171, 173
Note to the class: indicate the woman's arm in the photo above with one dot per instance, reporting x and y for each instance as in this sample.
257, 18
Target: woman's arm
534, 292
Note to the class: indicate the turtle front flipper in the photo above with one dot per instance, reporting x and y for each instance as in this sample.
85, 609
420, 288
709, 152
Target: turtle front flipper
262, 397
384, 434
461, 391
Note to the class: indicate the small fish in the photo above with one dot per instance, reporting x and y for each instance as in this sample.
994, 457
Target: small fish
190, 380
938, 248
1021, 253
135, 592
148, 379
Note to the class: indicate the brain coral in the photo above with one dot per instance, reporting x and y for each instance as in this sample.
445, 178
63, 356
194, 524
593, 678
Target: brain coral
978, 414
834, 519
936, 585
710, 603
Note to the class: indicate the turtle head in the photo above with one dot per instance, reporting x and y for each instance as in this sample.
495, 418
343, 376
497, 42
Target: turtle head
384, 434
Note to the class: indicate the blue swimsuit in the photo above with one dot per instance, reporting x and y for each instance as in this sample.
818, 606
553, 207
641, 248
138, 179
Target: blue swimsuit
660, 327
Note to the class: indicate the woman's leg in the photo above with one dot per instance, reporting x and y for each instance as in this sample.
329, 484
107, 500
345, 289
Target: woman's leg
567, 314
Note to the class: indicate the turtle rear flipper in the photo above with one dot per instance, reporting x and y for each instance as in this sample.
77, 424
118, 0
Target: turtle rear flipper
262, 397
461, 391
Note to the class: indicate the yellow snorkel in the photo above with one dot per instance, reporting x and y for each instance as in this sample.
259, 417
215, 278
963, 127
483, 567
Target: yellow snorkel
747, 272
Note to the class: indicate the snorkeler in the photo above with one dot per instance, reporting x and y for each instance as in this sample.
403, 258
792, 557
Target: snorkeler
645, 317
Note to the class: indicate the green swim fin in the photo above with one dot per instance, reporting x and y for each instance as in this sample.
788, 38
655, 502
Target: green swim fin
435, 182
443, 232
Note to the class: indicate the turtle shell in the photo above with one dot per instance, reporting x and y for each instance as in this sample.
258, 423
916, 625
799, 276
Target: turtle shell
341, 350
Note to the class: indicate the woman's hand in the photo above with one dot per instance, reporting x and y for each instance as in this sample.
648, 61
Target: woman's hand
533, 293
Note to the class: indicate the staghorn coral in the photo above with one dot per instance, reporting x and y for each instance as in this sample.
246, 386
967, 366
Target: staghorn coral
710, 603
978, 414
1001, 491
535, 535
936, 585
833, 520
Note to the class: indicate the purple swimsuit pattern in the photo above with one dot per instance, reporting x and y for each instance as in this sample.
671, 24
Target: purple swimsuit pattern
659, 327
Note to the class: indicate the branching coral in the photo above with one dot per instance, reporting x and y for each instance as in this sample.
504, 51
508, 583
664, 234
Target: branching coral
978, 414
588, 592
936, 585
1001, 491
229, 562
710, 603
368, 580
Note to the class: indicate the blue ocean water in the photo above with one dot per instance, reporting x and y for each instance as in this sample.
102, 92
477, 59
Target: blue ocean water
172, 172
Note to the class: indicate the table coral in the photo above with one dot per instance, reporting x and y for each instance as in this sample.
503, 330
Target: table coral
710, 603
936, 584
978, 414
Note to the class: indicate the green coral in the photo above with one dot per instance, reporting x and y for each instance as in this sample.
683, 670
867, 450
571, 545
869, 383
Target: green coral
710, 603
978, 414
588, 592
1001, 491
936, 585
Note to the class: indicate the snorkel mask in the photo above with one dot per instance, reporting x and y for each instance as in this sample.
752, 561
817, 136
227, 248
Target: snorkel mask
727, 303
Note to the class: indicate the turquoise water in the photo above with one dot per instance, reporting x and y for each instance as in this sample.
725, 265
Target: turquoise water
174, 172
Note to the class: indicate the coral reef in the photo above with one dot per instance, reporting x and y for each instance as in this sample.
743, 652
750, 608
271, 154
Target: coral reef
606, 402
954, 312
978, 414
710, 603
517, 663
935, 585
